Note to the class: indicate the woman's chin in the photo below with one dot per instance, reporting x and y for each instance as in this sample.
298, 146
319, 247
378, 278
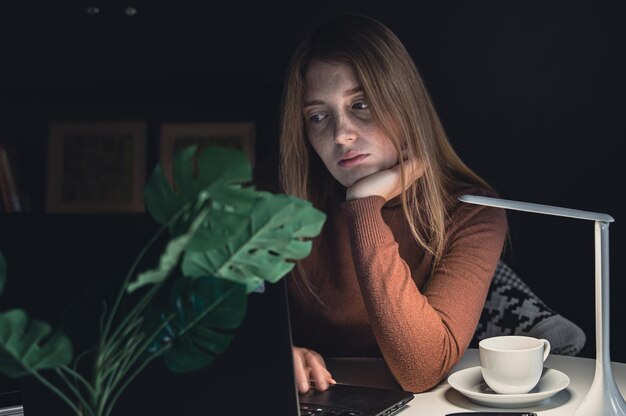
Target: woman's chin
347, 179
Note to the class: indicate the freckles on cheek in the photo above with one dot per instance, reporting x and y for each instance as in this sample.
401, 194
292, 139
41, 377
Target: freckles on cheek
321, 152
315, 139
316, 147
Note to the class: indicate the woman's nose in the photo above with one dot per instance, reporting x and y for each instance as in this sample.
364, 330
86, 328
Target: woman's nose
345, 131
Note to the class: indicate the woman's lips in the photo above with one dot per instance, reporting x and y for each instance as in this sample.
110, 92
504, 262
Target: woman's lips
351, 161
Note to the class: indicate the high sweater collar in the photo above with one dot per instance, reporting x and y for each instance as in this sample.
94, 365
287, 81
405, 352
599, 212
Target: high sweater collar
394, 202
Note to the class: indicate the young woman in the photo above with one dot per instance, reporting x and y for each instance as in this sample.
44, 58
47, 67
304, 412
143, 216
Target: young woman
401, 268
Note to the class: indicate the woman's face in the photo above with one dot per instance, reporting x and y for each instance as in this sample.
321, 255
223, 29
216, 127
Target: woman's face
339, 125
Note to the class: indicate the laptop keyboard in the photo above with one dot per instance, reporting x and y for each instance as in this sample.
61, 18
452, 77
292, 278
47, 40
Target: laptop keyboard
325, 411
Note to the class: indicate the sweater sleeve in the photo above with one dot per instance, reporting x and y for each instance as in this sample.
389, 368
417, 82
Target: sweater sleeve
423, 333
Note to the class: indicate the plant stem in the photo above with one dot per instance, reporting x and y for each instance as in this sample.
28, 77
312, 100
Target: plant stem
132, 377
137, 309
109, 346
130, 273
121, 367
116, 339
116, 377
80, 378
114, 359
75, 390
127, 324
104, 348
134, 356
114, 353
56, 391
160, 351
146, 298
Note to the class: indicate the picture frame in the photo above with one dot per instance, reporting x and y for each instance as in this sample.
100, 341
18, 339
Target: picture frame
96, 166
178, 135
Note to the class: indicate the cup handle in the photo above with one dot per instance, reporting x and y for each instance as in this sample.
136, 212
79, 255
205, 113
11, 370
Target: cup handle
546, 348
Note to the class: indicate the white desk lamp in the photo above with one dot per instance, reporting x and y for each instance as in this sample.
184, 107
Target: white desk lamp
603, 398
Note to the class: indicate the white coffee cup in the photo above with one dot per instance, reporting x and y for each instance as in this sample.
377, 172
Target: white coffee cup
512, 364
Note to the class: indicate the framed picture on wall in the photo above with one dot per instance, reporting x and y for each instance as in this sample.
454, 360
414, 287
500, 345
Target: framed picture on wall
96, 166
176, 136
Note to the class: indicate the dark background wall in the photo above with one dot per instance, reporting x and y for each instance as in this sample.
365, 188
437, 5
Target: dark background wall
530, 93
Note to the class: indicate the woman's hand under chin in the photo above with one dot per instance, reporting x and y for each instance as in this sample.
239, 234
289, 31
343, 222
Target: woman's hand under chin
386, 183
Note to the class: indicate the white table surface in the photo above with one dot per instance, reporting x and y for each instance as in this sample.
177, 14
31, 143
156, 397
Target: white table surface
443, 399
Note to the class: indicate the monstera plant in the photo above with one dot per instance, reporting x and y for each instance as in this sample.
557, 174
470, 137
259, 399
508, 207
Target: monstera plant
226, 239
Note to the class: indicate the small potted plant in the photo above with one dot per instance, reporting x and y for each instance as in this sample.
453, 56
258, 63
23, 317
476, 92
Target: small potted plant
225, 240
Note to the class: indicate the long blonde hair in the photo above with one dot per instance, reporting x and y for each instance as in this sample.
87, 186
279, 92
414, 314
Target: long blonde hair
399, 104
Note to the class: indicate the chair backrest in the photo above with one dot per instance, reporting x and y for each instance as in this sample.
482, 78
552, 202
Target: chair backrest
512, 308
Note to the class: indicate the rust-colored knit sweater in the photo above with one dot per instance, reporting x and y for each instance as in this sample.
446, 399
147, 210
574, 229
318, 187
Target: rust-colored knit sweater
372, 279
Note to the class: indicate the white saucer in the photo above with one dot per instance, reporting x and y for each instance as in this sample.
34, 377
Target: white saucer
470, 383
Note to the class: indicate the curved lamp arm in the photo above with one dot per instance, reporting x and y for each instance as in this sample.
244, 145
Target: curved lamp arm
603, 398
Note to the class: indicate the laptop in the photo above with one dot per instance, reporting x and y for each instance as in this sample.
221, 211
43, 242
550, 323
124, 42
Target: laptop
340, 399
255, 375
11, 404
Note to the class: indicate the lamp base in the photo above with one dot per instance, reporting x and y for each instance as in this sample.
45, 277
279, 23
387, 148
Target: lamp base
603, 398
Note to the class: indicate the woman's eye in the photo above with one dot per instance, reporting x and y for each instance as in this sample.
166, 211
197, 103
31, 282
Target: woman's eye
360, 106
316, 118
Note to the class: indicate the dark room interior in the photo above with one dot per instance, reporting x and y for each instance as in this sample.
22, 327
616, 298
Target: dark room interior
531, 94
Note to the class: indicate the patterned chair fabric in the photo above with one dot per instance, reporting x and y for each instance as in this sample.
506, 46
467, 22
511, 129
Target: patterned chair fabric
512, 308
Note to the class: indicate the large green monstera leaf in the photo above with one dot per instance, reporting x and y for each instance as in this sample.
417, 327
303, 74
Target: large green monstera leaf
26, 346
231, 238
276, 233
218, 181
200, 318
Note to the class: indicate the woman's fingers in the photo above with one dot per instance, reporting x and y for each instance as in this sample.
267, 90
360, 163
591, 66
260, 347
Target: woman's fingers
413, 170
302, 375
318, 375
310, 369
